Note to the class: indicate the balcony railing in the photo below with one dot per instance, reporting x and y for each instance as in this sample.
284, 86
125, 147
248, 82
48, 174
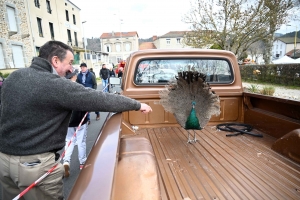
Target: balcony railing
77, 44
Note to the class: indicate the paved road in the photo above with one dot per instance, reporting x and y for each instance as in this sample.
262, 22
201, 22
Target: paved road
93, 131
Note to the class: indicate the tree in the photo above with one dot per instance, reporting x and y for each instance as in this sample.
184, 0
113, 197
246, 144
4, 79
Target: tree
234, 24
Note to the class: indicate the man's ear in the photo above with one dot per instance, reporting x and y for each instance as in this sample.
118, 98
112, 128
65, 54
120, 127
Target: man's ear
55, 61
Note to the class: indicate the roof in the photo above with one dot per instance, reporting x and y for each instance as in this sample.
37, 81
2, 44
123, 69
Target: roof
118, 35
74, 4
147, 45
291, 53
289, 40
174, 34
93, 44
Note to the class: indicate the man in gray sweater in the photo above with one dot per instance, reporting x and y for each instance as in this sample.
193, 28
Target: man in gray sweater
36, 107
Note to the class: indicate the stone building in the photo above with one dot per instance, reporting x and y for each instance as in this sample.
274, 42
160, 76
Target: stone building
15, 36
27, 25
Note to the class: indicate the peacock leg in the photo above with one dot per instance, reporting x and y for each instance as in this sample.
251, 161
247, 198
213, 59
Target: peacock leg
195, 139
189, 140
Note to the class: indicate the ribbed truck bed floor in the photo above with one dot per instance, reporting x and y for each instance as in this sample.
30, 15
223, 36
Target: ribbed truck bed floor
220, 167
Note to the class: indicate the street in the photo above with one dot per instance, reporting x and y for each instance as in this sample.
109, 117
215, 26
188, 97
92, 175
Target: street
93, 131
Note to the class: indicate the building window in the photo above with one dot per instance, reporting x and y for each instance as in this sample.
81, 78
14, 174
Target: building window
107, 48
74, 19
67, 15
118, 47
69, 36
18, 56
178, 40
2, 60
12, 21
37, 49
127, 47
75, 37
39, 22
48, 6
51, 30
37, 3
168, 41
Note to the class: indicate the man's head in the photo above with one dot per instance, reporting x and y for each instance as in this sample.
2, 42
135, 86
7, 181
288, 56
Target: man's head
59, 55
103, 66
83, 67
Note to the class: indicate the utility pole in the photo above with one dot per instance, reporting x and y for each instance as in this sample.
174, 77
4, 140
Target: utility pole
84, 41
295, 43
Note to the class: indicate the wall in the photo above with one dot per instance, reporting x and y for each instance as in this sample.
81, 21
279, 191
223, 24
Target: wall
21, 37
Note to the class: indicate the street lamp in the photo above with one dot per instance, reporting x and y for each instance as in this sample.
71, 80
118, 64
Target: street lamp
295, 44
121, 22
84, 41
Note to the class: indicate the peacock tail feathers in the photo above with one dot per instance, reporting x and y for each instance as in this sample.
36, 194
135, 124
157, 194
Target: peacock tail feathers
190, 86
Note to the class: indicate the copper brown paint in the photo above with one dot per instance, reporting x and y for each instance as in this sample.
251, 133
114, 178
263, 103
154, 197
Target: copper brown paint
216, 167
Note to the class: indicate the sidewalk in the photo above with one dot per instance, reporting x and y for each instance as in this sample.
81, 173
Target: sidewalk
281, 92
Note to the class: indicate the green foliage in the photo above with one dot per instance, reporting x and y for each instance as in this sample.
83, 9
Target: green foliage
4, 75
216, 46
281, 74
268, 90
253, 88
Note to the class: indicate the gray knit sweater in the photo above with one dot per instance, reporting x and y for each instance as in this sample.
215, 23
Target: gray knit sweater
37, 104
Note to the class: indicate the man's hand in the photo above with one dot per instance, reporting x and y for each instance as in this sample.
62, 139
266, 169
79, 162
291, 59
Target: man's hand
145, 108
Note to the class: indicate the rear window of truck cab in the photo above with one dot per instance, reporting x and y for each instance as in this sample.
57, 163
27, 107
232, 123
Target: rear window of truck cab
161, 71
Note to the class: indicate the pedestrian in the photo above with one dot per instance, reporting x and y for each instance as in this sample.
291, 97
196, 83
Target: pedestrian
104, 74
87, 79
37, 103
120, 74
111, 72
92, 71
80, 137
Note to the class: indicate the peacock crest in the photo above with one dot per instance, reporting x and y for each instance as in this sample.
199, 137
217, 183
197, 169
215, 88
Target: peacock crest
189, 98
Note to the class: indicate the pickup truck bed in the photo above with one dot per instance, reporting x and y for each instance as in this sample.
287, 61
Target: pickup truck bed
156, 162
220, 167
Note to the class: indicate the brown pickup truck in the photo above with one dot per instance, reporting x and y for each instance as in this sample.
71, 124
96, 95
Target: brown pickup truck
139, 156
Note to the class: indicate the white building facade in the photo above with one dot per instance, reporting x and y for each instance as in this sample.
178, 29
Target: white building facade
119, 45
170, 40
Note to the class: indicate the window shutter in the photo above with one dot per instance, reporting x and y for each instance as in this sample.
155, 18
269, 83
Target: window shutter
2, 61
18, 56
12, 19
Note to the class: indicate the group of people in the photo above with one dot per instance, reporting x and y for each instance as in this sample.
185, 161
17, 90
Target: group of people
36, 116
105, 74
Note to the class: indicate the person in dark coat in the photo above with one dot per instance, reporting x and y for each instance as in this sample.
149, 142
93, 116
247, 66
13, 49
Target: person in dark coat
79, 139
87, 79
104, 74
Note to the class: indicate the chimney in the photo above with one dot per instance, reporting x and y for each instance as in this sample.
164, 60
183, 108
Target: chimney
113, 33
154, 38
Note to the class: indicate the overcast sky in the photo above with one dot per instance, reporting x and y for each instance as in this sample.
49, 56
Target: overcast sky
147, 17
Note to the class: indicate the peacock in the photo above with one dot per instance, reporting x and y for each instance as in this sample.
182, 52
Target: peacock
190, 99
